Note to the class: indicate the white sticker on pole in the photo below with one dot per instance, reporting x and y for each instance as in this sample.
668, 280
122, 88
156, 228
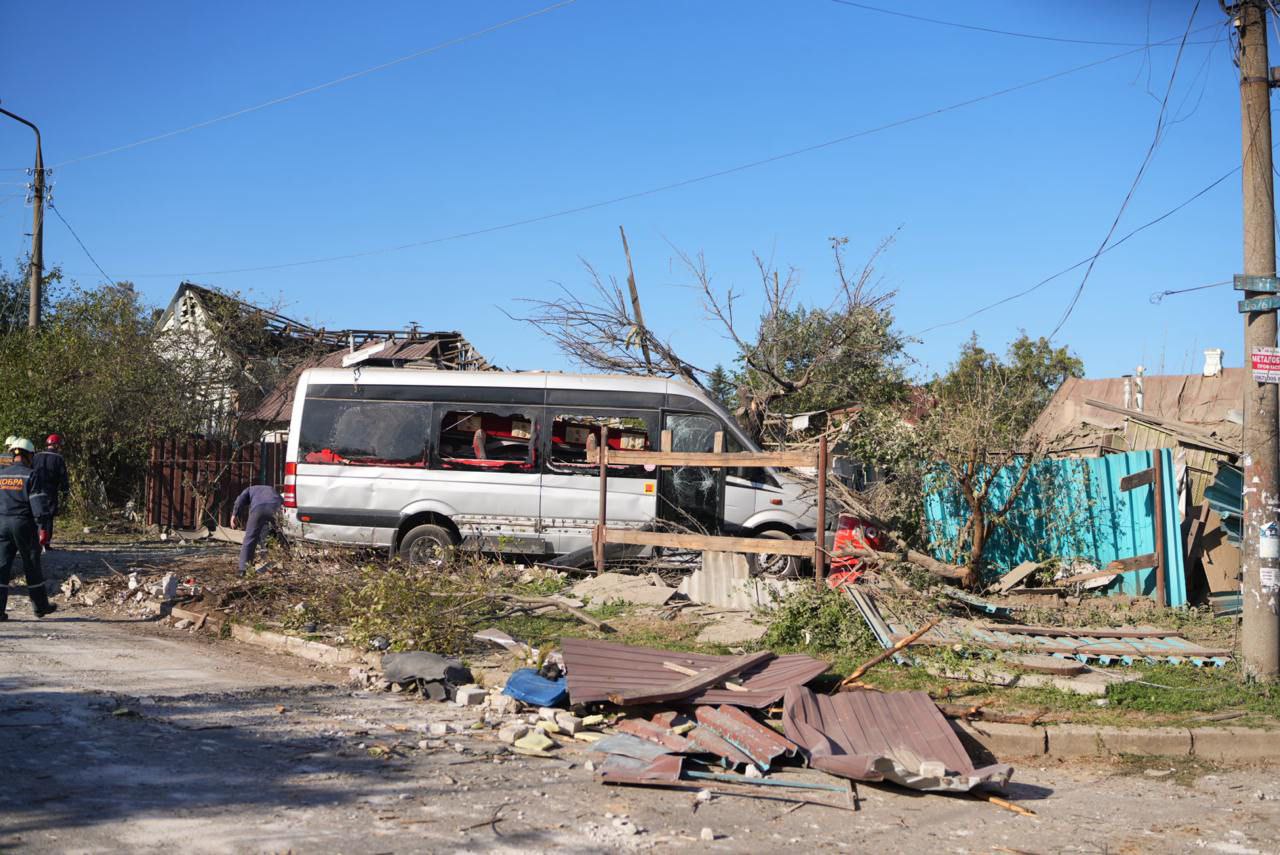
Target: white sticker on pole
1266, 364
1269, 541
1269, 577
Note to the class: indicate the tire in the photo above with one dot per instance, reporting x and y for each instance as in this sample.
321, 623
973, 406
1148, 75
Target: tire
778, 566
426, 544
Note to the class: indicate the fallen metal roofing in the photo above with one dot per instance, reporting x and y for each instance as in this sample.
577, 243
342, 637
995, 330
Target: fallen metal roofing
895, 736
598, 669
760, 743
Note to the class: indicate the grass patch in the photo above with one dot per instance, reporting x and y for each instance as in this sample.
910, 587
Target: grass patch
1181, 770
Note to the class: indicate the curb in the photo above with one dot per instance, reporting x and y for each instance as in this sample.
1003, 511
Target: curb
1068, 741
313, 651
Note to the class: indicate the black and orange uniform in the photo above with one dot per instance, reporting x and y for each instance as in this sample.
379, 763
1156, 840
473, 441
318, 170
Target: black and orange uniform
22, 499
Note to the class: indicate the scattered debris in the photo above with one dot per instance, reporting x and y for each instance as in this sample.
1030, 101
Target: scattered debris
437, 677
647, 590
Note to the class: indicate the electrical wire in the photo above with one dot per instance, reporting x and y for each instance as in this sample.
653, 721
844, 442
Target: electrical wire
674, 185
993, 31
1158, 297
320, 86
1156, 138
55, 210
1081, 263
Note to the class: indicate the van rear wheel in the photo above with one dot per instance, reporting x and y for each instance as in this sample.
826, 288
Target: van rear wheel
426, 545
777, 566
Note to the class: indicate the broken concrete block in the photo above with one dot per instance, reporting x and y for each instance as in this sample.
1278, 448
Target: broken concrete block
588, 736
184, 624
469, 696
706, 834
548, 713
72, 586
569, 723
168, 588
593, 720
647, 590
503, 705
438, 728
513, 732
548, 727
534, 741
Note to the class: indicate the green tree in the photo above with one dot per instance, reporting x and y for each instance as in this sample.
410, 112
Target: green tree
15, 291
980, 422
722, 388
93, 375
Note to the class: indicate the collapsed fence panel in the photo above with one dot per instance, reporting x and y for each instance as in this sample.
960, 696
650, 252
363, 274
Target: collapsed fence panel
194, 483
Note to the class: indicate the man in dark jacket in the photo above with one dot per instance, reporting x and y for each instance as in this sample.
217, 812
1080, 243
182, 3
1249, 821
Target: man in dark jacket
262, 504
53, 469
23, 497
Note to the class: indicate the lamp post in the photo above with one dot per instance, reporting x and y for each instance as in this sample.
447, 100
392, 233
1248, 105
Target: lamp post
37, 229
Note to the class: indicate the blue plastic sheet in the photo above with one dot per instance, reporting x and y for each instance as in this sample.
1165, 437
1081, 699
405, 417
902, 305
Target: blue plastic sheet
526, 686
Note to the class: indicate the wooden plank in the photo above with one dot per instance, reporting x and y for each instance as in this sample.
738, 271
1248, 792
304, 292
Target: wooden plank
1115, 568
704, 679
1137, 479
782, 459
703, 542
1018, 574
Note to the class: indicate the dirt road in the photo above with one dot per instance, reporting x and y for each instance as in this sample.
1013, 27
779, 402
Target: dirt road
128, 735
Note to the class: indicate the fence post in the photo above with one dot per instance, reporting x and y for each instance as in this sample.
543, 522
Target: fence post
599, 539
820, 537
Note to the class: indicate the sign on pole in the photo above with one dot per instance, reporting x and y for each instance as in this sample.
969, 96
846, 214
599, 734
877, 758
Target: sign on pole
1266, 364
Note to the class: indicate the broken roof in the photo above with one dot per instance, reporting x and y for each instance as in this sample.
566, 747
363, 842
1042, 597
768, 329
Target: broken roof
442, 350
1210, 403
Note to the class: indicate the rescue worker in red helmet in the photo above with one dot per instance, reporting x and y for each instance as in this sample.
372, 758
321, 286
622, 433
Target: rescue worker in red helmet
22, 499
53, 470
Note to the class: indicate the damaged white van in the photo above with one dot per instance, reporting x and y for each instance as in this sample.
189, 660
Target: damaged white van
415, 460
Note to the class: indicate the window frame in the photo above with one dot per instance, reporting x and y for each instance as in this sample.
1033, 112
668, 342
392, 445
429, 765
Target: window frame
428, 438
534, 413
650, 417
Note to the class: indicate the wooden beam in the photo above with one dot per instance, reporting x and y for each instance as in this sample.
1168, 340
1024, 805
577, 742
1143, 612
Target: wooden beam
707, 543
1137, 479
1115, 568
704, 679
785, 459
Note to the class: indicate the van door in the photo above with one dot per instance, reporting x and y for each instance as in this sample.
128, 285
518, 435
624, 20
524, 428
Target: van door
692, 496
571, 485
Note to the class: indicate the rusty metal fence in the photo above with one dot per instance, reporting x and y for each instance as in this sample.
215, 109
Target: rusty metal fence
193, 483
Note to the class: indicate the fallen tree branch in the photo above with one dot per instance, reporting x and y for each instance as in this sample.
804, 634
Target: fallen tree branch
885, 654
549, 601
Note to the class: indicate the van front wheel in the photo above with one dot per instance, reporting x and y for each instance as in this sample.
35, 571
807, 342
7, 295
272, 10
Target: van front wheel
775, 565
426, 545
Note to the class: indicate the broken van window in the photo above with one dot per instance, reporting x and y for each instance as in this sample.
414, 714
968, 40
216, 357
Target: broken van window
570, 434
485, 440
364, 433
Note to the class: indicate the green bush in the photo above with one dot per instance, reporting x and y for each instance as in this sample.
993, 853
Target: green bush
819, 621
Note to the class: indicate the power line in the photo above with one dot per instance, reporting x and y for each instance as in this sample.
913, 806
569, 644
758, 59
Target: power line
320, 86
1081, 263
1158, 296
54, 208
1137, 179
998, 32
686, 182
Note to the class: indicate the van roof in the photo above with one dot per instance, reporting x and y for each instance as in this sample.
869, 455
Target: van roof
381, 376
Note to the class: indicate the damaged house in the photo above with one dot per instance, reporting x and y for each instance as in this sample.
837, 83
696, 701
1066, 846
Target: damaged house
242, 362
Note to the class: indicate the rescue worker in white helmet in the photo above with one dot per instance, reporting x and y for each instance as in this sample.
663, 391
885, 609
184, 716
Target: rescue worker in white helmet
23, 498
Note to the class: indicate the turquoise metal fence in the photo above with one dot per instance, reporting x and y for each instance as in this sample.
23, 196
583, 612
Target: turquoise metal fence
1074, 508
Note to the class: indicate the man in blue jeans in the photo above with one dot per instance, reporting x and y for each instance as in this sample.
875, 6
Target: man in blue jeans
262, 504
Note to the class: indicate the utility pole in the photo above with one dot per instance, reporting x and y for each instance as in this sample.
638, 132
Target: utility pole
37, 229
1260, 543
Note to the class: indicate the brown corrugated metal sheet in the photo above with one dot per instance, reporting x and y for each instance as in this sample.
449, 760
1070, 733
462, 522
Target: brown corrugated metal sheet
598, 669
894, 736
762, 744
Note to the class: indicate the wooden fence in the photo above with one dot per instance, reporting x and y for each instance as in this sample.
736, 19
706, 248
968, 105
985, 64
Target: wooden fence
193, 483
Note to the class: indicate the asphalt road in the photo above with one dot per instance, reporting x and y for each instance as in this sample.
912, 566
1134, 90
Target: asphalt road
127, 735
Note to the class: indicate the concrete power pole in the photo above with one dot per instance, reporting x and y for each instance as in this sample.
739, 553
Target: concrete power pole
37, 228
1260, 557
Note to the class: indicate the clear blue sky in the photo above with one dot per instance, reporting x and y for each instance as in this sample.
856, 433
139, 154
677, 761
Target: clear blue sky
604, 98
